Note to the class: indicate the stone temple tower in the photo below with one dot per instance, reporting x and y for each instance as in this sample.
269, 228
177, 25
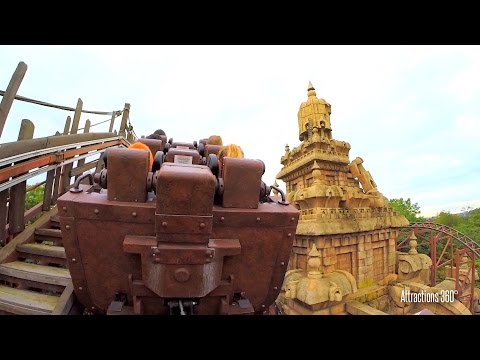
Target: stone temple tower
346, 228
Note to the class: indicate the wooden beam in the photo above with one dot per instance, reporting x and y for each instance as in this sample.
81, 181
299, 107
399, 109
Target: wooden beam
123, 124
23, 237
47, 194
81, 169
3, 217
76, 116
65, 302
10, 93
110, 129
16, 211
66, 129
65, 181
86, 130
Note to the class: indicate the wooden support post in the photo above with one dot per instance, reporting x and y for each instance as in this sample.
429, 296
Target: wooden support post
110, 129
47, 195
80, 162
123, 124
10, 93
3, 217
65, 183
56, 185
16, 210
66, 129
76, 116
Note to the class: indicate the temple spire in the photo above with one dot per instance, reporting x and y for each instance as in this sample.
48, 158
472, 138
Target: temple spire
311, 90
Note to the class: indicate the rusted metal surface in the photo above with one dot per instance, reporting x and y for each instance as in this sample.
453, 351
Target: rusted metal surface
242, 179
177, 251
182, 145
153, 144
127, 174
183, 156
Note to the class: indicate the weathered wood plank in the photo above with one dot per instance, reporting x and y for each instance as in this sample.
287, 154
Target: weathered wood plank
65, 302
76, 116
110, 129
66, 129
10, 93
24, 302
20, 147
44, 250
32, 212
26, 235
3, 216
25, 284
81, 169
81, 162
34, 272
123, 124
54, 233
56, 185
16, 211
47, 194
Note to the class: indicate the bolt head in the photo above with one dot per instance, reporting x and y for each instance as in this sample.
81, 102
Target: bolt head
67, 227
282, 263
222, 218
96, 211
73, 259
258, 219
80, 288
164, 224
202, 225
134, 214
64, 208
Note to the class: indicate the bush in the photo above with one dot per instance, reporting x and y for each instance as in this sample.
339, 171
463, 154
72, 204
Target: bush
34, 196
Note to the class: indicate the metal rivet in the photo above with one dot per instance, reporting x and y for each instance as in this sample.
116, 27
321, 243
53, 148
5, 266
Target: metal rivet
114, 198
282, 263
80, 288
202, 225
134, 214
154, 255
275, 288
289, 234
211, 255
73, 259
64, 208
222, 218
258, 219
96, 211
263, 305
293, 219
164, 224
67, 227
93, 307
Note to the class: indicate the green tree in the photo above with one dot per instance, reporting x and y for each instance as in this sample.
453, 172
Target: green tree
34, 197
470, 225
407, 208
446, 218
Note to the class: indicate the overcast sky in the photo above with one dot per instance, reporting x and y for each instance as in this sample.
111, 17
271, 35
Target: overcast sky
411, 112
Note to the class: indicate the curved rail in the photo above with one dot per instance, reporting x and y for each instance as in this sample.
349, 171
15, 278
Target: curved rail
447, 230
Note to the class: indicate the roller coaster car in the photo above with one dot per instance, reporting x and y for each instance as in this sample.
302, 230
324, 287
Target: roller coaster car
180, 238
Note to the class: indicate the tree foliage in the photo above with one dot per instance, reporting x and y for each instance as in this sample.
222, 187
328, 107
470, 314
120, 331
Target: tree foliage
34, 197
408, 209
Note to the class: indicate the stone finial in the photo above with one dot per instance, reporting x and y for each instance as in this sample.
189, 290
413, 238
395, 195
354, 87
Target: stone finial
275, 192
311, 89
413, 244
287, 149
316, 172
314, 263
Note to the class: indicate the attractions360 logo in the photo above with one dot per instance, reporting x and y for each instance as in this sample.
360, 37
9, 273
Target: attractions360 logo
443, 296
